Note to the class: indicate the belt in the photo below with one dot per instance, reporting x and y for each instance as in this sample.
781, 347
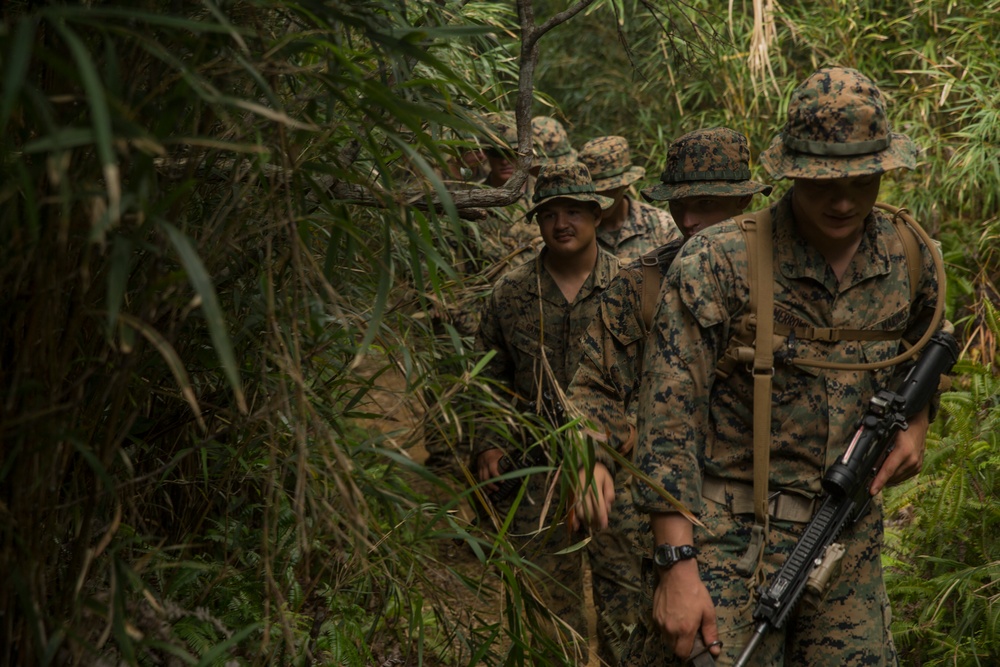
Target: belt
785, 505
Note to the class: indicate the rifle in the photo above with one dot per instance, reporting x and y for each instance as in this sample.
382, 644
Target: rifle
846, 483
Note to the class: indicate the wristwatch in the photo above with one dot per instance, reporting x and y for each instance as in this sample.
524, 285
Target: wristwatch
666, 555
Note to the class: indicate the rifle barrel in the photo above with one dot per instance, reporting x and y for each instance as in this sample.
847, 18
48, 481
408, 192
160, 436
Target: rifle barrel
755, 638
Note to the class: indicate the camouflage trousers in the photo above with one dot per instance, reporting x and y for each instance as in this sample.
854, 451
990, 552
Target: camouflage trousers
850, 627
616, 574
553, 584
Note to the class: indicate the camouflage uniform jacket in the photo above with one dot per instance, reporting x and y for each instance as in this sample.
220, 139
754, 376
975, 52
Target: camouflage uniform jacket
511, 325
690, 424
607, 381
645, 228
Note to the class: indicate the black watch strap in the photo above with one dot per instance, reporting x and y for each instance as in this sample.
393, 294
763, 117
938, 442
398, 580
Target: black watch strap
667, 555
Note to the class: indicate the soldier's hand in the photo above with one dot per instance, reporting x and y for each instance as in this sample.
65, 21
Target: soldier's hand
489, 467
907, 456
682, 608
597, 499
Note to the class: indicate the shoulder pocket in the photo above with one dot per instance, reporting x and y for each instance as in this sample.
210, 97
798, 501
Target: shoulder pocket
698, 292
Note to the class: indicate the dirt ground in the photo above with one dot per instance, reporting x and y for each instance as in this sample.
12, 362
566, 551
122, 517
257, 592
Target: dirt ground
401, 417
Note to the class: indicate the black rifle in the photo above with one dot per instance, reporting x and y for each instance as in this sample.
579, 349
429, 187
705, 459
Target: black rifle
846, 484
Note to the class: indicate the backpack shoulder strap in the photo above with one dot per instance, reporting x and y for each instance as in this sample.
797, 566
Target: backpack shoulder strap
763, 375
650, 286
911, 248
654, 266
739, 353
752, 342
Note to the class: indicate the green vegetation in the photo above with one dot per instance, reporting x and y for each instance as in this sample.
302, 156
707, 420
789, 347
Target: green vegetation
220, 249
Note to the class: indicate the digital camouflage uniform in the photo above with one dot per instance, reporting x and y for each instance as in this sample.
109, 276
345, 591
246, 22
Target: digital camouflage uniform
711, 162
693, 427
646, 227
525, 313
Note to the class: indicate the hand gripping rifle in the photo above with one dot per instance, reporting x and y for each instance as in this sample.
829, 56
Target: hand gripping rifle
846, 484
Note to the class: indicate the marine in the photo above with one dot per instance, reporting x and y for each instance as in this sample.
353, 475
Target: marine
839, 264
630, 228
533, 322
706, 180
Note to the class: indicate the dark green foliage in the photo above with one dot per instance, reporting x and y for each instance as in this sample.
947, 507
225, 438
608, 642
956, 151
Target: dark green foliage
190, 464
944, 560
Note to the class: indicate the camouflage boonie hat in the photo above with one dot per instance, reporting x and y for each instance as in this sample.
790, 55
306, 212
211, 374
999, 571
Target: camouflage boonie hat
837, 127
565, 181
504, 124
552, 144
713, 162
610, 163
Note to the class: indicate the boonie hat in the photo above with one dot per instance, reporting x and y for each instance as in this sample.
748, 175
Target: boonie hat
712, 162
837, 127
610, 163
552, 144
504, 127
565, 181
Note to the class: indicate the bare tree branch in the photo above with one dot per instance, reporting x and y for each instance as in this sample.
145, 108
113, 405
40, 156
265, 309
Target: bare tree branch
467, 205
561, 17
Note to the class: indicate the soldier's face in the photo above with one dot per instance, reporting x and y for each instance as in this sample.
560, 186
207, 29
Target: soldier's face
833, 210
501, 166
568, 226
693, 214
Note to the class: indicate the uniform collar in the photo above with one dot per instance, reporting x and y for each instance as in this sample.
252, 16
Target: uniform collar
605, 268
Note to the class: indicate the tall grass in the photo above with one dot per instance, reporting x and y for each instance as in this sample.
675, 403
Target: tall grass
193, 326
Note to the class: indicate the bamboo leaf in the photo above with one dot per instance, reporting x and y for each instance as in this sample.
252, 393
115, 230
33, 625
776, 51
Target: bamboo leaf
121, 253
16, 69
202, 284
100, 116
381, 298
226, 24
62, 139
174, 363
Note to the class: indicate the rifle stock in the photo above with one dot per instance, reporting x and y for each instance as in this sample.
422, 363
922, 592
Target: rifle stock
847, 484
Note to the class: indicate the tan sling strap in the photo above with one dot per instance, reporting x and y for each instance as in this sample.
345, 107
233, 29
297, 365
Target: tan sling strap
757, 234
911, 249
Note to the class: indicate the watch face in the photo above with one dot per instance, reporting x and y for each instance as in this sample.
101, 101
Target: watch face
667, 555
